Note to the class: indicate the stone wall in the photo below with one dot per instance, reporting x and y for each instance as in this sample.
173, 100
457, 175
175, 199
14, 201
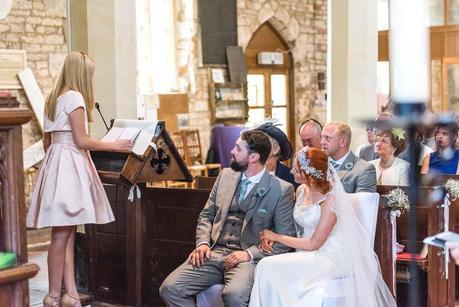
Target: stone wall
39, 27
302, 24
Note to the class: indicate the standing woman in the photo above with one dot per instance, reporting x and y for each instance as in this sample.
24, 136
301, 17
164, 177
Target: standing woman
68, 191
445, 160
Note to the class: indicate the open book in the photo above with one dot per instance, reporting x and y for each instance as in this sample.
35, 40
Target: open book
440, 239
140, 132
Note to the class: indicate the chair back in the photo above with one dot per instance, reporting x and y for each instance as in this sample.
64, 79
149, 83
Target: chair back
178, 142
192, 143
365, 206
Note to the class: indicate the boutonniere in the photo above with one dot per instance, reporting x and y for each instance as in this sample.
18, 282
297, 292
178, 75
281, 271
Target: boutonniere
261, 191
349, 166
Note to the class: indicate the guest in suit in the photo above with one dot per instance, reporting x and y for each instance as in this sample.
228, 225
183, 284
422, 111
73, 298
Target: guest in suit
281, 150
390, 170
310, 131
244, 200
445, 160
357, 175
371, 138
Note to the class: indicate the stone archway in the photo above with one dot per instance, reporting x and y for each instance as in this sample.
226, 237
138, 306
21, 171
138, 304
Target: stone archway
304, 30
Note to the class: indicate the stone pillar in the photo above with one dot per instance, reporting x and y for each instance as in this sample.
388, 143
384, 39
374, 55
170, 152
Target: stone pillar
352, 58
111, 33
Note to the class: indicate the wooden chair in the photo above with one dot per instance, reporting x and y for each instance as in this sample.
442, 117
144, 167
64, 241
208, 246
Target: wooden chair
192, 153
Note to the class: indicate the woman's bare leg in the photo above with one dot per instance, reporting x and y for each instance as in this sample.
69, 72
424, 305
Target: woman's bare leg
69, 269
56, 258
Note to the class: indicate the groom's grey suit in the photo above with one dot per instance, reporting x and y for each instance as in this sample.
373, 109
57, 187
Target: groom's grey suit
228, 225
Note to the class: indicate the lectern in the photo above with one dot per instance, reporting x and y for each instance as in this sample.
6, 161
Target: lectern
109, 262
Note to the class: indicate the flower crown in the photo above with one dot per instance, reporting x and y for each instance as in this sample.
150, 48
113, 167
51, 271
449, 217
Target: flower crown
305, 164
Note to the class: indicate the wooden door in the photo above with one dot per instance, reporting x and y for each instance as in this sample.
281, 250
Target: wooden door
270, 87
268, 95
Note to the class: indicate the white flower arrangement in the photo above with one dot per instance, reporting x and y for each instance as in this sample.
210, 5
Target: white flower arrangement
452, 187
397, 200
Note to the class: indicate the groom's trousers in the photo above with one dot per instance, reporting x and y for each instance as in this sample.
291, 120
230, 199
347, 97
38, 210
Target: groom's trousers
186, 281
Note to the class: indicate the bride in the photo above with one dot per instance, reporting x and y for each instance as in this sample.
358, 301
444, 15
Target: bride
331, 244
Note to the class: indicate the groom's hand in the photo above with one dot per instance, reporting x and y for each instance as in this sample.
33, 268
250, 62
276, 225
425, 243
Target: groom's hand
236, 257
199, 255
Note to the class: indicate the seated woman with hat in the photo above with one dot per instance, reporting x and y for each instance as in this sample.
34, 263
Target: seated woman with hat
281, 150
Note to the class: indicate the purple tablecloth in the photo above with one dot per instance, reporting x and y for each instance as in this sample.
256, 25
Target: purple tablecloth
222, 142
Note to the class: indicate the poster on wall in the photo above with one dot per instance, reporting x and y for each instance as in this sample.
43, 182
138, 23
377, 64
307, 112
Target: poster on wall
12, 62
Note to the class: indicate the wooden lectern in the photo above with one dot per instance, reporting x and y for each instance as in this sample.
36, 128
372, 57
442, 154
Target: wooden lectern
14, 289
109, 261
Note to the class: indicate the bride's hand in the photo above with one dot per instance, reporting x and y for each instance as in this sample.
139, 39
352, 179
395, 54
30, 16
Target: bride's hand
268, 235
266, 246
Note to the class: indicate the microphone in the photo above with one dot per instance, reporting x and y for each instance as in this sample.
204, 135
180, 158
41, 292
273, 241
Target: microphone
98, 109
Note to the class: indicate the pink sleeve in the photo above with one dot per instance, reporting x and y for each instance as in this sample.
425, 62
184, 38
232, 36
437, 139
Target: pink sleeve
74, 102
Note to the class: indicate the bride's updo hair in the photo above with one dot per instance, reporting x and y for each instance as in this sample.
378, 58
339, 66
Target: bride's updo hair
313, 166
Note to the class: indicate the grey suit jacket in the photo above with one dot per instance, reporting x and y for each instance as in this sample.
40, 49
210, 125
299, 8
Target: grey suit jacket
357, 175
368, 153
271, 207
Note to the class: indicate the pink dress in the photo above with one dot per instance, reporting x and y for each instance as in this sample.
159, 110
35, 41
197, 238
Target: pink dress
68, 190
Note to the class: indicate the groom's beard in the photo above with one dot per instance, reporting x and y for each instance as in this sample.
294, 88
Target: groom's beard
238, 166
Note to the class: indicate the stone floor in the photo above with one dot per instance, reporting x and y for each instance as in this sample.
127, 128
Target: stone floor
38, 286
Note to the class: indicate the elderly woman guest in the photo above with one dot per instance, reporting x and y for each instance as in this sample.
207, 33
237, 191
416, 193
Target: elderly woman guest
281, 150
445, 159
390, 170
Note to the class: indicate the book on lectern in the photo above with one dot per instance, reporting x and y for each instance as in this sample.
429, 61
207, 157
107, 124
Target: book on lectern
140, 132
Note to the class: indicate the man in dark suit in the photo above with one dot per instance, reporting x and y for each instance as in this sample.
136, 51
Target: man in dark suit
281, 150
356, 174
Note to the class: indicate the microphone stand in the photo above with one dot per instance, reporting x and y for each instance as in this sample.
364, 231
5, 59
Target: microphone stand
98, 109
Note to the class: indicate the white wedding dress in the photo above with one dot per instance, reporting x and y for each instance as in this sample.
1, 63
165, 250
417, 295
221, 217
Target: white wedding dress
301, 278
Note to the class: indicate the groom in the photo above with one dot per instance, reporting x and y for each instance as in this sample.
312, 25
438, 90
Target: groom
244, 200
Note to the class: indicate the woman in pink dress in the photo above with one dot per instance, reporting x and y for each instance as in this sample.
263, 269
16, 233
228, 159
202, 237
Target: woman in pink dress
68, 191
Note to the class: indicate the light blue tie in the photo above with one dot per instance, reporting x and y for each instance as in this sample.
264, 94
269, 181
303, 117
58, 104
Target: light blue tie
244, 185
334, 164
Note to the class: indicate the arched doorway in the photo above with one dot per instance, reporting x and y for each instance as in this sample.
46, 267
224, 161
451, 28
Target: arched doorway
270, 87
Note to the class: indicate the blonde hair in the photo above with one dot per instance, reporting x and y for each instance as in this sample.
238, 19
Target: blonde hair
275, 147
343, 128
76, 74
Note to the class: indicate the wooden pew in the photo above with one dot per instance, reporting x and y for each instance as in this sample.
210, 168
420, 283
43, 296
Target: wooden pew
14, 289
440, 180
440, 292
